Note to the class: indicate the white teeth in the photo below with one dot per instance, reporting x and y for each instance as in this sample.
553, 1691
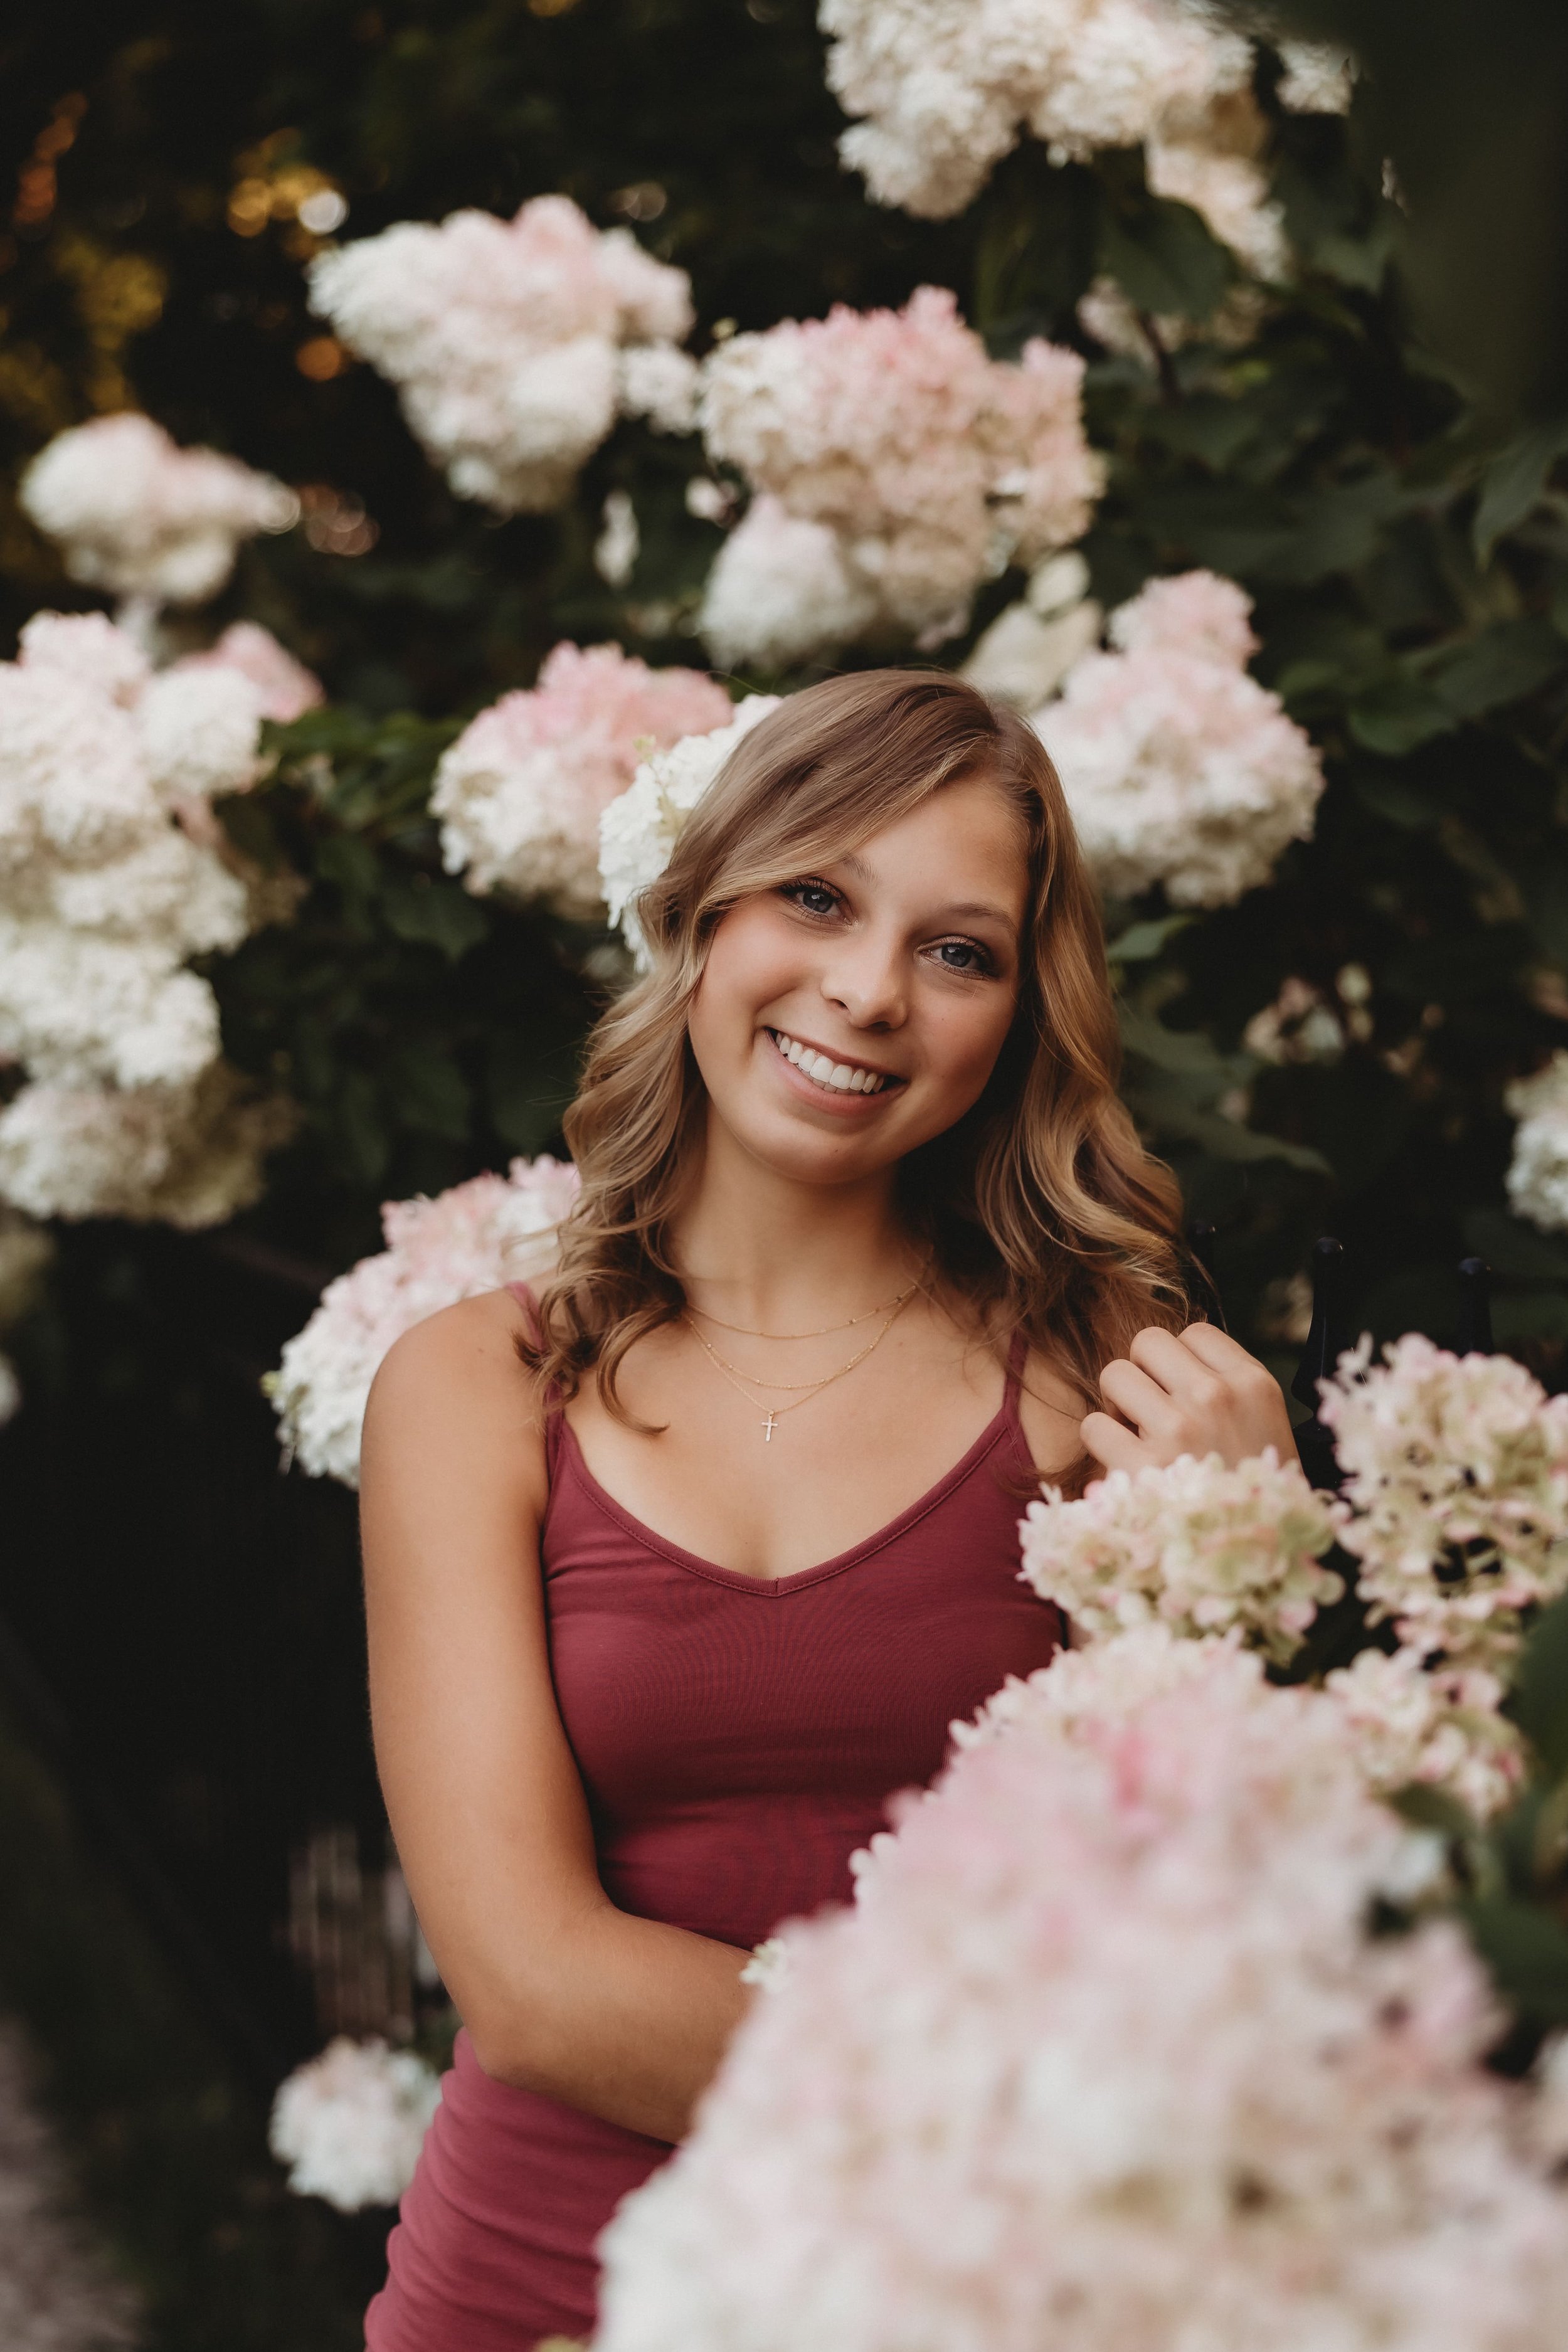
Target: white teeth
842, 1077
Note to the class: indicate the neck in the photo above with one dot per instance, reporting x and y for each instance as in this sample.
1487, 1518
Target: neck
756, 1248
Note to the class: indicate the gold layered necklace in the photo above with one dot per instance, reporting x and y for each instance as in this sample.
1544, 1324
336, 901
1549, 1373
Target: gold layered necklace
745, 1330
800, 1392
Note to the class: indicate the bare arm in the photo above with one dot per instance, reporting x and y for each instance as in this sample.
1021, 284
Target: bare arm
561, 1992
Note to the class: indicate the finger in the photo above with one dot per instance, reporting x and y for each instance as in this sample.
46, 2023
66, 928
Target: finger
1113, 1446
1221, 1353
1179, 1371
1252, 1384
1140, 1400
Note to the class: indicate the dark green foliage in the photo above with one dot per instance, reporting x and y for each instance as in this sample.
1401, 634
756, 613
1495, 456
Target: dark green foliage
1410, 566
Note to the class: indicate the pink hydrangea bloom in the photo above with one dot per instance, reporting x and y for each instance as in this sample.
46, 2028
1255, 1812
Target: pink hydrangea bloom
505, 340
931, 463
285, 688
490, 1231
1455, 1493
138, 515
1104, 2059
1409, 1722
1178, 767
520, 792
1196, 1545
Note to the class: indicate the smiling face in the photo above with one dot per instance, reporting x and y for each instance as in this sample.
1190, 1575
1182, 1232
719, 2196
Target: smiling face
857, 1010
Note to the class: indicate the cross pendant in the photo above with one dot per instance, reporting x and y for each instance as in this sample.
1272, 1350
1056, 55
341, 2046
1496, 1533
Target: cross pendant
768, 1429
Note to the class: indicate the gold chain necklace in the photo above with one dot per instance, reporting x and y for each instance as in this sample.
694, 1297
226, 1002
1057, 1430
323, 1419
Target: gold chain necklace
772, 1414
745, 1330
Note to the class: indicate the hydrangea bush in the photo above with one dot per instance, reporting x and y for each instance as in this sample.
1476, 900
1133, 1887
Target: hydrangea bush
1105, 2054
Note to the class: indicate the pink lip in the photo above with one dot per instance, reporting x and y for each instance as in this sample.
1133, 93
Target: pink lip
842, 1105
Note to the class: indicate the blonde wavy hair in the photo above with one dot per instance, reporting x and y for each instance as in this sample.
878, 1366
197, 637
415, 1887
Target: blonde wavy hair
1040, 1208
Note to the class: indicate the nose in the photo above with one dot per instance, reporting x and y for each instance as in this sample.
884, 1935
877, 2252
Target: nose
864, 978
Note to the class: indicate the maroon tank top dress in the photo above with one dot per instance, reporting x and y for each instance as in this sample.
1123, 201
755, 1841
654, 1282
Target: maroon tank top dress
738, 1740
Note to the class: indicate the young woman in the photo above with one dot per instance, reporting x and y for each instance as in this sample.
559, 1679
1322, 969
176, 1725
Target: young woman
676, 1571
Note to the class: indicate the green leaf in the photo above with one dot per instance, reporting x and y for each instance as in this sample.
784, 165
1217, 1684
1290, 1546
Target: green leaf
1396, 802
1164, 260
1514, 1249
1223, 1138
1338, 530
1514, 482
1530, 1315
1427, 1807
357, 1128
428, 1091
1540, 1696
351, 863
1399, 716
1500, 666
433, 914
1143, 942
1526, 1949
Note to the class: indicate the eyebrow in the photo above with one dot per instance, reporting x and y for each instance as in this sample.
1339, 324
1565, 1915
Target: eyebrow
972, 910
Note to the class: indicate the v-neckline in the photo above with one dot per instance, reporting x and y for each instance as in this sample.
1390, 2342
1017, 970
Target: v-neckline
734, 1578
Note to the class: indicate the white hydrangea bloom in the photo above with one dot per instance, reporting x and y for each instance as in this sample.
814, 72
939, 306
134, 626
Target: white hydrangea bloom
1455, 1494
103, 897
284, 687
1538, 1172
781, 588
1231, 192
505, 340
188, 1156
662, 382
921, 465
198, 727
1317, 79
350, 2124
638, 832
477, 1236
943, 88
1196, 1545
133, 513
1177, 766
1105, 2056
1443, 1728
520, 793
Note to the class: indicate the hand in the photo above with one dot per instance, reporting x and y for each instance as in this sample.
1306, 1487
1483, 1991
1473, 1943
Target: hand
1193, 1392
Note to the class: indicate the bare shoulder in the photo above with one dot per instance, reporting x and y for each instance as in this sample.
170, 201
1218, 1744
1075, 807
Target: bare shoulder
452, 1386
1050, 1411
